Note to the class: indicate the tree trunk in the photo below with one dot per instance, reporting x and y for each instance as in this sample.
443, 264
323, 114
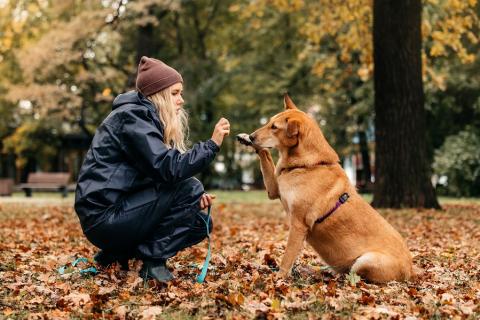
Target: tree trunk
366, 173
402, 176
144, 48
145, 42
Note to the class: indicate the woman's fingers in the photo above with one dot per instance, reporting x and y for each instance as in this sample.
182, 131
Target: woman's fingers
223, 121
222, 129
210, 199
225, 126
206, 200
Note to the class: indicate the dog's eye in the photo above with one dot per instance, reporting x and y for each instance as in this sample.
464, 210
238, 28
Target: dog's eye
274, 126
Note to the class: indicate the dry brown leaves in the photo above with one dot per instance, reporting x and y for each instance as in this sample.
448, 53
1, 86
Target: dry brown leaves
248, 243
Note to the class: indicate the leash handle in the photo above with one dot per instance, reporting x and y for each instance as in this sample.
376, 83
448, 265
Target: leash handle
203, 273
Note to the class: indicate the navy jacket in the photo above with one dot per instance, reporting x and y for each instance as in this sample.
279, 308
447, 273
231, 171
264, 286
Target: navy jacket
127, 154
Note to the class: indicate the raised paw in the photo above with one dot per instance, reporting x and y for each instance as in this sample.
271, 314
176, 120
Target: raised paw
244, 139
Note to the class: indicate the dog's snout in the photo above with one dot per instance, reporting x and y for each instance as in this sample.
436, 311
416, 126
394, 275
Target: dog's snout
251, 137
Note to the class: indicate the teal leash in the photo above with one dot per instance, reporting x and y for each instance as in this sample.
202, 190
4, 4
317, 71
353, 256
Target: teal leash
92, 270
203, 274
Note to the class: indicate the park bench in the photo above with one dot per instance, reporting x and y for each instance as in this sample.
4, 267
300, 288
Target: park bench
46, 181
6, 187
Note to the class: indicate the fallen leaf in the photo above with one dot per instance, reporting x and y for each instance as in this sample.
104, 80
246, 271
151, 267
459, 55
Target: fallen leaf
78, 299
150, 313
120, 312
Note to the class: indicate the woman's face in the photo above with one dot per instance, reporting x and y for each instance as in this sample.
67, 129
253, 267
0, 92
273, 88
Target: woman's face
177, 91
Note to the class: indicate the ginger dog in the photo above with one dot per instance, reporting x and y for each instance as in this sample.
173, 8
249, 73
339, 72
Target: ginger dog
312, 185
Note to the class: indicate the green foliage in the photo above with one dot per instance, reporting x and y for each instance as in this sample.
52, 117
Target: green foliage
35, 139
459, 92
459, 160
7, 121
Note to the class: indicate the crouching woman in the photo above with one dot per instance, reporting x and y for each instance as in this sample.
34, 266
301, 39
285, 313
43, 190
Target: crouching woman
136, 195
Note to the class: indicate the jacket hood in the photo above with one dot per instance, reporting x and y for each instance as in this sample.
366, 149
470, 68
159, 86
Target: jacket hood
131, 97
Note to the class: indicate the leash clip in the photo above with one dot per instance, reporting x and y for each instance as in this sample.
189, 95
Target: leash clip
343, 198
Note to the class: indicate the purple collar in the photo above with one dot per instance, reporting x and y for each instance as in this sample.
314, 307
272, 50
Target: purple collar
343, 198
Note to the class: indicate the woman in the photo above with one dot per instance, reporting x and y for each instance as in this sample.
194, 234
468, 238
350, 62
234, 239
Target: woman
136, 195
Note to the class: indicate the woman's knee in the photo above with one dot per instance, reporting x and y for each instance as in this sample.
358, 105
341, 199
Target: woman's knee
199, 230
189, 191
194, 185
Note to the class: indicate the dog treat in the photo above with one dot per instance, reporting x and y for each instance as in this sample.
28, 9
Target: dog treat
244, 139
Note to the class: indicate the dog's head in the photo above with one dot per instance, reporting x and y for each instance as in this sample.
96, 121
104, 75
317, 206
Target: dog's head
294, 130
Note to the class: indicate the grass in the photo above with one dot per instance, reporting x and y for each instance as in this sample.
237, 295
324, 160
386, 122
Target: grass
224, 196
260, 196
461, 200
41, 195
253, 196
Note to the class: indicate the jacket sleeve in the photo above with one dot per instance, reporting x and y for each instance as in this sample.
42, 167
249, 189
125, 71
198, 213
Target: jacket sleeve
142, 141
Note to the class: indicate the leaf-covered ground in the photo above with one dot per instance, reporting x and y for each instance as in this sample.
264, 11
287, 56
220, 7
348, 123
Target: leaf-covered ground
248, 242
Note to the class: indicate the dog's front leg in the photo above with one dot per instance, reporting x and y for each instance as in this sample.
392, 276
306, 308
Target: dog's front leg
268, 172
296, 238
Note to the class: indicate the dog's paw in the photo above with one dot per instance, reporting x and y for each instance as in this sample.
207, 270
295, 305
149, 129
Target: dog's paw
244, 139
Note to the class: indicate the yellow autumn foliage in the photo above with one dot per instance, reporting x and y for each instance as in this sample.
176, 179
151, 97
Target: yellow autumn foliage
19, 143
448, 28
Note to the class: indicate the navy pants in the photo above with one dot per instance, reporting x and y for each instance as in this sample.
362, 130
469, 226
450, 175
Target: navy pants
153, 223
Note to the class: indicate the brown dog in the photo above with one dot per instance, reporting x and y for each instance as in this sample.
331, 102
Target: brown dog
311, 186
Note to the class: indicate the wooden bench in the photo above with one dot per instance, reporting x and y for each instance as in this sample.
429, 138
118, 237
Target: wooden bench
46, 181
6, 187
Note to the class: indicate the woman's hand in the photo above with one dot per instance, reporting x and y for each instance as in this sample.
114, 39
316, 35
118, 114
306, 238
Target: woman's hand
222, 129
206, 200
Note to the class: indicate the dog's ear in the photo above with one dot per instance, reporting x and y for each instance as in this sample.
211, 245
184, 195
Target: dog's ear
292, 128
288, 103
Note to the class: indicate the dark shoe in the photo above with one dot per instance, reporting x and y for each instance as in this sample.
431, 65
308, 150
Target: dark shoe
105, 259
156, 269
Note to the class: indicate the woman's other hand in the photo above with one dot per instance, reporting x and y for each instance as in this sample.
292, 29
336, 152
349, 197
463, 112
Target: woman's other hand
206, 200
222, 129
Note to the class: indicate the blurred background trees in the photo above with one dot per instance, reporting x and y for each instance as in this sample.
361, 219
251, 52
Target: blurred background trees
63, 62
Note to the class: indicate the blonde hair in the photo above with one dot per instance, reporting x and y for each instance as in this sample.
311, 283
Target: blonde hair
175, 126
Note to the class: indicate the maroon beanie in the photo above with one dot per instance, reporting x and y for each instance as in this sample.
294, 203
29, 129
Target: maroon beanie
153, 76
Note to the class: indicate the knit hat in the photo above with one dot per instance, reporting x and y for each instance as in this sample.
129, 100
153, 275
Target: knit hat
153, 76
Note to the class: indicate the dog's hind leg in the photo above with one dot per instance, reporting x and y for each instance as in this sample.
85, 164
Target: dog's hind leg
379, 268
